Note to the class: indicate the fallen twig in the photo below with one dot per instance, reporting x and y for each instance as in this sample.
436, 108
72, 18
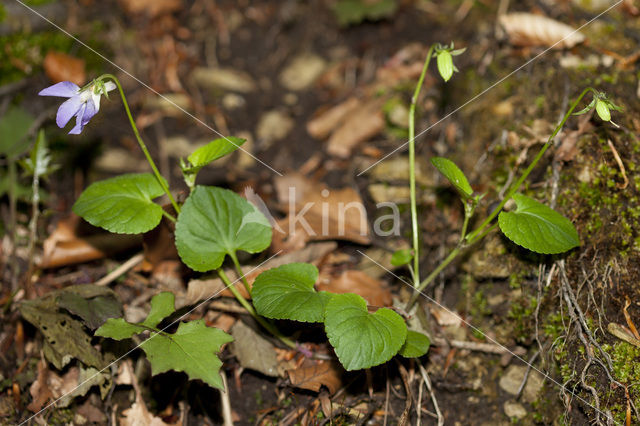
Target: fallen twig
120, 270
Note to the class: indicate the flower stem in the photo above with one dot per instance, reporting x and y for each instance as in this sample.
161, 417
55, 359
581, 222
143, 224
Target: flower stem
168, 216
267, 325
478, 232
486, 226
239, 271
159, 177
412, 169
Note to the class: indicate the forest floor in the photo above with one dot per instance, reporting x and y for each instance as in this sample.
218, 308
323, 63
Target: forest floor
516, 338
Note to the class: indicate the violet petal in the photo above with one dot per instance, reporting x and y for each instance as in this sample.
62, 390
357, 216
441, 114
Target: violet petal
77, 129
68, 109
64, 89
89, 112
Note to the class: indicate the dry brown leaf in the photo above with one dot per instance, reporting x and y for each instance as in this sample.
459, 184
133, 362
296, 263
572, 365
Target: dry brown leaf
159, 243
526, 29
445, 317
221, 321
68, 245
62, 67
324, 123
314, 374
151, 7
40, 391
73, 383
375, 292
91, 413
567, 148
320, 214
138, 414
360, 125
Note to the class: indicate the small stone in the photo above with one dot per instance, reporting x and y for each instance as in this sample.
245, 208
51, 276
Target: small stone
399, 115
273, 126
397, 169
514, 409
232, 101
491, 262
503, 109
302, 71
290, 99
224, 79
496, 299
512, 380
170, 104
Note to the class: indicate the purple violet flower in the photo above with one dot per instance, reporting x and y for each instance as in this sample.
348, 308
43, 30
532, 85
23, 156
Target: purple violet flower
83, 103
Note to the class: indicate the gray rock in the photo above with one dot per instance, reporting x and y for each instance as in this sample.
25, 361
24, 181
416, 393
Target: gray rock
224, 79
302, 71
514, 409
273, 126
512, 379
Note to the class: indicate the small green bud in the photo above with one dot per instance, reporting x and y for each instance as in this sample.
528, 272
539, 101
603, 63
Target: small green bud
602, 108
445, 64
401, 257
444, 56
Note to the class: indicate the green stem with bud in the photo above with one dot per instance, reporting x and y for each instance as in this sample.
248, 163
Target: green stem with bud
486, 227
412, 169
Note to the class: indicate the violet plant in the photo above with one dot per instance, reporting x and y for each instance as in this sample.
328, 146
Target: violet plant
532, 225
214, 224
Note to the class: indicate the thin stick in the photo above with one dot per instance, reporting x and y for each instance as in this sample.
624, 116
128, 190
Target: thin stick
225, 401
623, 172
427, 382
121, 270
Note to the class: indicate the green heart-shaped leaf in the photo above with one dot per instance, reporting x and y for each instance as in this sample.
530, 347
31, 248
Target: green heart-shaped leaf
287, 292
416, 345
361, 339
537, 227
122, 204
215, 222
215, 149
453, 174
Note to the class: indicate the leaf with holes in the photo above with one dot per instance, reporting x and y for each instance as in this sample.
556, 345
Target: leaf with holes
122, 204
537, 227
287, 292
453, 175
416, 345
361, 339
216, 222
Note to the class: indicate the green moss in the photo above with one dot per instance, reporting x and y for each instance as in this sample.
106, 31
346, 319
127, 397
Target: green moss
521, 312
479, 305
23, 53
554, 326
